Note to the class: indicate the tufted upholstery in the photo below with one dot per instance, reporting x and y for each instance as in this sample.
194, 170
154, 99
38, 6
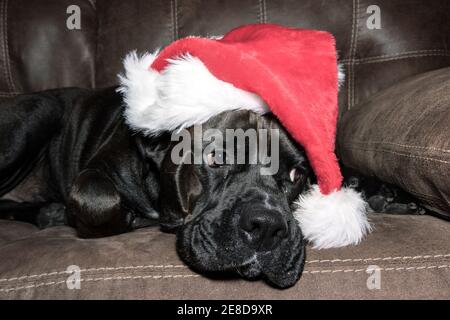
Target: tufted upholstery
38, 51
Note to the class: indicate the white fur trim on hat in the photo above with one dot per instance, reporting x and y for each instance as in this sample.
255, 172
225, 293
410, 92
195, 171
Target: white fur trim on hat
334, 220
183, 94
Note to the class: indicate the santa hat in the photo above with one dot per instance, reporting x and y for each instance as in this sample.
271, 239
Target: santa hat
290, 72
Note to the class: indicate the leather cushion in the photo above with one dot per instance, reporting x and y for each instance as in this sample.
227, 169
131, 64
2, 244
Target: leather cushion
37, 49
411, 252
401, 135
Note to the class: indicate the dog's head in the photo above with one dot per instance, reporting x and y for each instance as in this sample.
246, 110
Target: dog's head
231, 215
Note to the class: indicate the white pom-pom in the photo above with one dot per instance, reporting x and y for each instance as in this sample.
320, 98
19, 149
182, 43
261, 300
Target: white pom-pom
334, 220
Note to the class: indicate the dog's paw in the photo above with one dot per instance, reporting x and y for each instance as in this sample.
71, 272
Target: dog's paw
140, 222
390, 199
51, 215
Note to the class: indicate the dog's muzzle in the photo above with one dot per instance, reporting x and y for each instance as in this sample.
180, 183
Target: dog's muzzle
252, 241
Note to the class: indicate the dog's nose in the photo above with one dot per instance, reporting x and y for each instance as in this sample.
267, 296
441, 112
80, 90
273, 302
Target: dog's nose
263, 229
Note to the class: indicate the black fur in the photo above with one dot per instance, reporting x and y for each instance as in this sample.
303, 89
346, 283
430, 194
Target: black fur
67, 157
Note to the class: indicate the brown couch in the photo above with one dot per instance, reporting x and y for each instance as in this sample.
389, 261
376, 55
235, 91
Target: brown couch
394, 111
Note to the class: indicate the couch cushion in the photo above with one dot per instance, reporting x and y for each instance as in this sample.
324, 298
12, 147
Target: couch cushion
14, 230
402, 136
39, 50
411, 252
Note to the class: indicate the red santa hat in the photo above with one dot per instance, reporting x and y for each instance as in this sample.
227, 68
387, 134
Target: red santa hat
292, 73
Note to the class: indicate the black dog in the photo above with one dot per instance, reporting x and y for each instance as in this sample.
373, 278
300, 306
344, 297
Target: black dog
67, 157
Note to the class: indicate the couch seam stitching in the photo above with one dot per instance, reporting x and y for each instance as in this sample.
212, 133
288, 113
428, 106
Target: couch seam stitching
171, 266
406, 57
398, 153
11, 85
381, 258
3, 44
399, 58
264, 11
354, 53
172, 21
397, 144
398, 54
259, 12
53, 283
350, 65
174, 18
444, 266
329, 271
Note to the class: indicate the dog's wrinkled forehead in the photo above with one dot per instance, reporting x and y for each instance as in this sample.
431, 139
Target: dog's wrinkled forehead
289, 149
242, 119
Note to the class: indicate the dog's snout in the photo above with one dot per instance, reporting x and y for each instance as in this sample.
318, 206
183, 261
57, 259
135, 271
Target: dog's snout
263, 229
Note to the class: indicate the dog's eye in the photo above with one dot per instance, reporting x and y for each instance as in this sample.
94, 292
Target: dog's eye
216, 159
294, 175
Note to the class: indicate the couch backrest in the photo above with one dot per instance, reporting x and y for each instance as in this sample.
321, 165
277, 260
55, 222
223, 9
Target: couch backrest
38, 51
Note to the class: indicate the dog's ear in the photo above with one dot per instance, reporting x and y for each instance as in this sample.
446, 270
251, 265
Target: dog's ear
94, 204
180, 188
